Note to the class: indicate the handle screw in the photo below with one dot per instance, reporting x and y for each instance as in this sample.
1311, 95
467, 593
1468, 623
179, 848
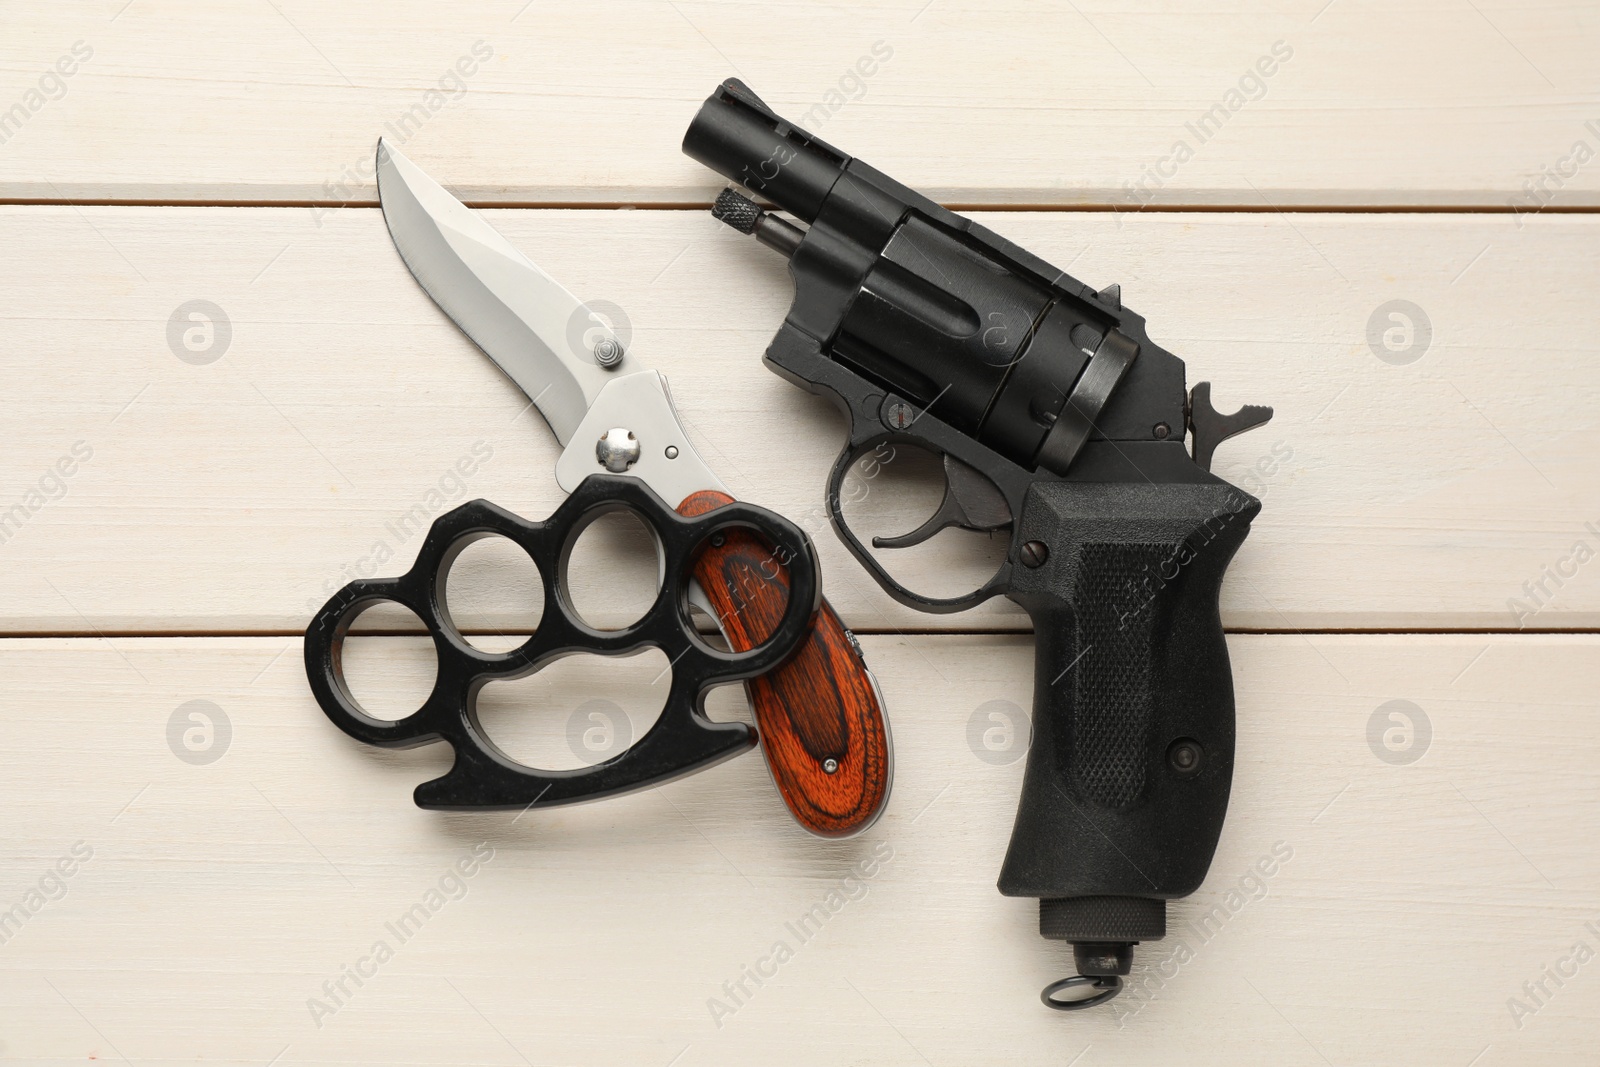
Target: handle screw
830, 766
607, 352
897, 415
1034, 553
1162, 431
1185, 756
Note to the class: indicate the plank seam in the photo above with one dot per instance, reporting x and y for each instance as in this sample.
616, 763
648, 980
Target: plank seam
1062, 209
1250, 631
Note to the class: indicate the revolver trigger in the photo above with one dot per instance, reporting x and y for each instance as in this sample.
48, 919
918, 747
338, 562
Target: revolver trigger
1210, 427
970, 501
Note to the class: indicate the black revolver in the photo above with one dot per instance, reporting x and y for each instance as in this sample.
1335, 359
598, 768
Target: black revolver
1061, 422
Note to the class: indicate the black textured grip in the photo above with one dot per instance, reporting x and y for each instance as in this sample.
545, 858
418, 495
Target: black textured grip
1128, 776
1111, 689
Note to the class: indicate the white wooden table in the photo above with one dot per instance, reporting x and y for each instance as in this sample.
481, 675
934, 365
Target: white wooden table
181, 517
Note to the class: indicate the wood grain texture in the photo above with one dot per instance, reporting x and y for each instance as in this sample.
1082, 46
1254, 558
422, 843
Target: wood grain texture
221, 897
1424, 103
346, 410
820, 706
1423, 906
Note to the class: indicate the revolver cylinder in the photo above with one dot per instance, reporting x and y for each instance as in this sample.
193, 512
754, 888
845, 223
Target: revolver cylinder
936, 314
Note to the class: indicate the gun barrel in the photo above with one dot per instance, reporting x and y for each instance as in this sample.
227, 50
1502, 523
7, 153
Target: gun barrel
739, 137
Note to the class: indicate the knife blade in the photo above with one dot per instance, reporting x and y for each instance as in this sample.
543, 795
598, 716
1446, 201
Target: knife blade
820, 716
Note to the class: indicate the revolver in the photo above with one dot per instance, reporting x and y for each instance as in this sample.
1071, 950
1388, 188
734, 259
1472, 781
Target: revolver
1061, 425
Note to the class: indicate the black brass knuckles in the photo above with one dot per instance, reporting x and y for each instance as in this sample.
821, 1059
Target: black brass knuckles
682, 740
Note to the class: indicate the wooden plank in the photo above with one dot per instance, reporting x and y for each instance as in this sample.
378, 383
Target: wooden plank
236, 495
1035, 104
219, 897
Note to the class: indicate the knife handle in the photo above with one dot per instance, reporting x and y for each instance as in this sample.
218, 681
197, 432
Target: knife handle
821, 705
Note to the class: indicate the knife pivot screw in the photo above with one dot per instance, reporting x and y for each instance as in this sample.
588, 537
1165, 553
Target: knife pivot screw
1034, 553
672, 451
1185, 756
607, 352
830, 766
617, 450
719, 539
1162, 431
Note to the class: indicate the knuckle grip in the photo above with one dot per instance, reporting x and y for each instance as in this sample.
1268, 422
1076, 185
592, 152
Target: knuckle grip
682, 739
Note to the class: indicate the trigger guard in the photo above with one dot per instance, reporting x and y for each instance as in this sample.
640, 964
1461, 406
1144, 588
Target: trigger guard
681, 741
847, 458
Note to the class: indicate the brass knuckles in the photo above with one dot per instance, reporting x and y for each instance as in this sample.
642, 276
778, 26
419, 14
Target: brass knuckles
682, 740
836, 498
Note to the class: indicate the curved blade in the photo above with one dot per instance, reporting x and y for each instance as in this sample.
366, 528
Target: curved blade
542, 336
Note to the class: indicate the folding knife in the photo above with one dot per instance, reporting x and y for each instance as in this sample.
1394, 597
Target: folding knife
819, 715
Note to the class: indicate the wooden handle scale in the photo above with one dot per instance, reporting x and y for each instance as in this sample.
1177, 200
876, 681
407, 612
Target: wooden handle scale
818, 710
